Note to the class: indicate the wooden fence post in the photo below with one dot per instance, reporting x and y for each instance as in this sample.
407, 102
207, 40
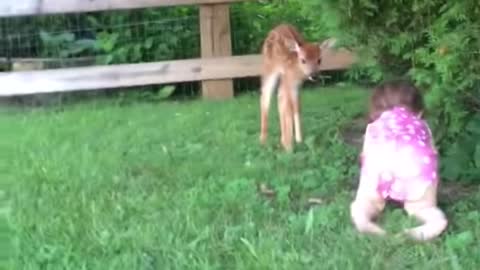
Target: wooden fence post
215, 39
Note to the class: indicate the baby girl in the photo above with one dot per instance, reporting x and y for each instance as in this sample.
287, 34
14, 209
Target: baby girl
398, 162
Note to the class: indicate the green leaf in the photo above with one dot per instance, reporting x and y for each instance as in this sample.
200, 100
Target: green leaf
166, 92
136, 53
65, 37
460, 240
109, 59
81, 45
44, 36
107, 41
250, 247
148, 43
86, 43
476, 156
93, 21
309, 222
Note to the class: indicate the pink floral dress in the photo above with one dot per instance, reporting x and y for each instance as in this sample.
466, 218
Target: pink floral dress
399, 159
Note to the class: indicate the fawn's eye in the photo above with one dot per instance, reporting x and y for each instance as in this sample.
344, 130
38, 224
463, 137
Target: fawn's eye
304, 61
319, 61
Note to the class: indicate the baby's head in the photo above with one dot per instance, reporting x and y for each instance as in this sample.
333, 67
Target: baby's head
395, 93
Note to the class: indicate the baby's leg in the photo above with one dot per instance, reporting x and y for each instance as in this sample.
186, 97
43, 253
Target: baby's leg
426, 211
363, 210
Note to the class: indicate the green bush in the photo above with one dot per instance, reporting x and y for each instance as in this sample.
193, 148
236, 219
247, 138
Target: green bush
252, 20
129, 36
150, 34
436, 43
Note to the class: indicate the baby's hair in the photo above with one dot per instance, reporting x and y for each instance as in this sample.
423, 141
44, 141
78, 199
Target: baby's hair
394, 93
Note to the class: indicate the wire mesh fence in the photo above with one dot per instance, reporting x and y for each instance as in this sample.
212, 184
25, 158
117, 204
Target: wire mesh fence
118, 37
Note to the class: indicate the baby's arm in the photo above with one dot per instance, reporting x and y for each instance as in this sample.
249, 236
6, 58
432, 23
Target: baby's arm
365, 145
367, 203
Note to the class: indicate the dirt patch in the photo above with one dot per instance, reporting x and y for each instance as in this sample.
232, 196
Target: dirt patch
352, 133
451, 192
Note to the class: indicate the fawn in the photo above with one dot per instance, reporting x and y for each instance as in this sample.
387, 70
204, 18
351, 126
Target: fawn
289, 58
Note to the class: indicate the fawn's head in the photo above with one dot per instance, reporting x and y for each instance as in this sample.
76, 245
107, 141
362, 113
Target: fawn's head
309, 56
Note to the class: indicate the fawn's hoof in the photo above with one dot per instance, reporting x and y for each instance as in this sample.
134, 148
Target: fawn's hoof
263, 139
288, 147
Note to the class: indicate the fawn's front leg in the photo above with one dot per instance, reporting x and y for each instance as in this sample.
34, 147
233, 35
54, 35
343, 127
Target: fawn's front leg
295, 97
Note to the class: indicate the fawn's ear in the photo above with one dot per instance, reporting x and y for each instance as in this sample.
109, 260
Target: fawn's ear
294, 47
328, 43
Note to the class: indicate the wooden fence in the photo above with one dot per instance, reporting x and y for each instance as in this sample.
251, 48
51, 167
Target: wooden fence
216, 68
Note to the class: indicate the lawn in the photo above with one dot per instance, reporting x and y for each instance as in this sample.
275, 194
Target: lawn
174, 185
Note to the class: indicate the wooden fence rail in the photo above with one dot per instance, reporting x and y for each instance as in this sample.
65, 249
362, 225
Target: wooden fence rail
9, 8
216, 68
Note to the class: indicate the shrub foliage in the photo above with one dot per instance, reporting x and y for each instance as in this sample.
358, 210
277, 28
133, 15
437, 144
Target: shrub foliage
436, 44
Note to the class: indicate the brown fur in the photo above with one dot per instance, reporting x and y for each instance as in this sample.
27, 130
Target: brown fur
289, 58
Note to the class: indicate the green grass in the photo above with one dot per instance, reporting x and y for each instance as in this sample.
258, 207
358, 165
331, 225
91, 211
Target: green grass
174, 186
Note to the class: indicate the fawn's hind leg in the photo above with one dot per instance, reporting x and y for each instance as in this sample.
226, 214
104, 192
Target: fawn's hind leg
286, 116
269, 82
